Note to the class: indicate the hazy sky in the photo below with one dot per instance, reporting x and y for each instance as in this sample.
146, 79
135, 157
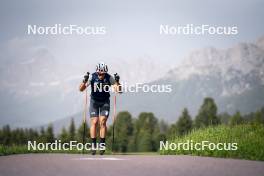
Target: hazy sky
132, 27
132, 36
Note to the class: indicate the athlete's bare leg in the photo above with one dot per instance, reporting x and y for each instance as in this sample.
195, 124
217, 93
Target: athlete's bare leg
94, 122
103, 128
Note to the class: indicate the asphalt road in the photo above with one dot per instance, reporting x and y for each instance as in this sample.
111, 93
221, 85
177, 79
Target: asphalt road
125, 165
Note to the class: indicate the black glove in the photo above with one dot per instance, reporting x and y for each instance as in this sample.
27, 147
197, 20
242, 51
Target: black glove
117, 77
86, 77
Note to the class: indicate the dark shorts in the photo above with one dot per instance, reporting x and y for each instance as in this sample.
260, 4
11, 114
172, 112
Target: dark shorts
99, 108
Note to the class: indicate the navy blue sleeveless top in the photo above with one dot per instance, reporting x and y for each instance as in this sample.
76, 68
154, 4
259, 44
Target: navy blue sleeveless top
100, 88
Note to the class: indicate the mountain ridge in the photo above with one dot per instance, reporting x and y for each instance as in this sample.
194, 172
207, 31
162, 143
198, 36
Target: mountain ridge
234, 77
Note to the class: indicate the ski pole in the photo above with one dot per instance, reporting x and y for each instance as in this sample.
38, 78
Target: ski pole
84, 119
113, 140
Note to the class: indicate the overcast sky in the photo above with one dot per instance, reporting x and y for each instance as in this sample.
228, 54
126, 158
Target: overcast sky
133, 46
132, 27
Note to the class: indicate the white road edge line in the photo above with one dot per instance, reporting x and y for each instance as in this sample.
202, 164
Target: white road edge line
102, 159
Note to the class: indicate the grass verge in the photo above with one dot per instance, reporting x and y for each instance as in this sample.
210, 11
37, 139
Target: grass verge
249, 139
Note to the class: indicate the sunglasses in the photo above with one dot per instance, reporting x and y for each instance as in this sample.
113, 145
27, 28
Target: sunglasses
100, 73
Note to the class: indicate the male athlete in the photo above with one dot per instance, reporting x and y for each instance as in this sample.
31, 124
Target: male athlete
101, 83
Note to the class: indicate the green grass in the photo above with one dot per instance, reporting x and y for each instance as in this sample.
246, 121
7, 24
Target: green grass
8, 150
15, 149
249, 139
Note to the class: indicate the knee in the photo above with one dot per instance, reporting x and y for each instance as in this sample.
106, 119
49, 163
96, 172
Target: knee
94, 122
103, 123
